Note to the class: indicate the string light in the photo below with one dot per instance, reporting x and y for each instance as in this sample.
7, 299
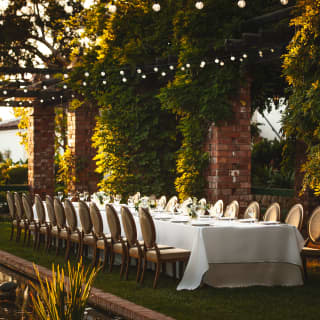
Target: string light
65, 86
188, 65
124, 80
163, 74
66, 76
47, 76
245, 55
42, 101
122, 72
144, 76
104, 82
171, 67
232, 58
45, 87
139, 71
202, 64
112, 8
156, 7
241, 4
199, 5
102, 73
284, 2
5, 92
221, 63
183, 68
86, 74
216, 60
155, 69
25, 90
84, 83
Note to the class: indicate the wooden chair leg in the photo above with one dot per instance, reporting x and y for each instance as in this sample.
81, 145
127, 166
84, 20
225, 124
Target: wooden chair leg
164, 268
123, 263
105, 258
25, 234
111, 260
156, 277
12, 231
304, 263
138, 268
127, 266
18, 235
143, 270
94, 258
181, 265
174, 270
58, 246
66, 257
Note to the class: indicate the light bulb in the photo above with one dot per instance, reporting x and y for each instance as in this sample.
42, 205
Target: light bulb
155, 69
188, 65
5, 92
53, 98
104, 82
171, 67
25, 90
199, 5
102, 73
44, 87
221, 63
202, 64
284, 2
66, 75
112, 8
122, 72
65, 86
183, 68
245, 55
232, 58
139, 71
84, 83
241, 4
216, 60
163, 74
42, 101
156, 7
86, 74
144, 76
124, 80
47, 76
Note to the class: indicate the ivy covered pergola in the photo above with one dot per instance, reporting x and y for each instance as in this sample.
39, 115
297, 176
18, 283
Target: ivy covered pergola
175, 87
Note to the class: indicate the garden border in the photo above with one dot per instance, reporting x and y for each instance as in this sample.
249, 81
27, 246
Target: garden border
98, 298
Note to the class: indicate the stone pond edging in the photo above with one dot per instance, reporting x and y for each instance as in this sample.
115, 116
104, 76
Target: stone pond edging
102, 300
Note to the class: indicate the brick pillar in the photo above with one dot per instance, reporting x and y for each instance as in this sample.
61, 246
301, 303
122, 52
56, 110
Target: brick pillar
229, 148
81, 123
41, 177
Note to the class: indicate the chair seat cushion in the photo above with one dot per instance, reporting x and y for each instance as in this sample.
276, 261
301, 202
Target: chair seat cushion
118, 247
15, 222
101, 245
307, 251
75, 236
54, 230
33, 226
89, 239
172, 254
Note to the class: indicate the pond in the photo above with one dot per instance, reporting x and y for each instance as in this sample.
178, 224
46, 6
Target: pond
16, 306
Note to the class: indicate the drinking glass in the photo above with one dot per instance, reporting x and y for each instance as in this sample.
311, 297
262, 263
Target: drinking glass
117, 198
60, 195
86, 196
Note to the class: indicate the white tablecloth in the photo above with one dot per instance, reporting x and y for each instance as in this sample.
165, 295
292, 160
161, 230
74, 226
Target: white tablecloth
232, 254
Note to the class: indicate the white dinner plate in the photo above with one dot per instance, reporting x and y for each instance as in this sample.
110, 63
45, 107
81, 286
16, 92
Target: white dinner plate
160, 216
270, 222
248, 220
200, 223
205, 216
180, 219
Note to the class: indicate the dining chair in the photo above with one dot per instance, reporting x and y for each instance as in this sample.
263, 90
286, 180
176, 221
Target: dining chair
32, 224
272, 213
311, 248
23, 223
103, 241
87, 237
134, 248
118, 244
152, 252
61, 232
232, 210
13, 215
52, 221
74, 234
295, 216
217, 209
172, 203
43, 227
252, 211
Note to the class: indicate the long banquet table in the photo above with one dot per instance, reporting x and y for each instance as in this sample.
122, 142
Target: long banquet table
232, 253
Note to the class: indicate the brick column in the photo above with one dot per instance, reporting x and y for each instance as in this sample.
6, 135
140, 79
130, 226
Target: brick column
41, 177
229, 148
81, 123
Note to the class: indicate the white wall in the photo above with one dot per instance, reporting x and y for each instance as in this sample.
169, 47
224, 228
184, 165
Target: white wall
10, 141
274, 118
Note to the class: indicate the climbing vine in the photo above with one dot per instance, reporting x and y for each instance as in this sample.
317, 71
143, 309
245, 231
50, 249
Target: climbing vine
301, 68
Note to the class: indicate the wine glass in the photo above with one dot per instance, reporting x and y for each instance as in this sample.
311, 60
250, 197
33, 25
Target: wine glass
60, 195
82, 196
86, 196
117, 198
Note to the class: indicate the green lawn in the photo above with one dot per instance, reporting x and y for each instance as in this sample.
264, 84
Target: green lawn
204, 303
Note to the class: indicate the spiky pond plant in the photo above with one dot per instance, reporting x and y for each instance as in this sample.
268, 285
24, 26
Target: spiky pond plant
60, 298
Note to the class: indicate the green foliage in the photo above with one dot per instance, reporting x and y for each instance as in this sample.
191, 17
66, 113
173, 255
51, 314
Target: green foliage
301, 68
151, 133
57, 300
268, 169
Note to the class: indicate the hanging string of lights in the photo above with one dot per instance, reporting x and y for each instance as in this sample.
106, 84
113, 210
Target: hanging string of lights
156, 7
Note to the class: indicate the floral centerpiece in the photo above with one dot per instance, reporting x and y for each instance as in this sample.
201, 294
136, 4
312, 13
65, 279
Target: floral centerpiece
193, 208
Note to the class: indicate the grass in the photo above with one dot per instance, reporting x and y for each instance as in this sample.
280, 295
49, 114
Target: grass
203, 303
